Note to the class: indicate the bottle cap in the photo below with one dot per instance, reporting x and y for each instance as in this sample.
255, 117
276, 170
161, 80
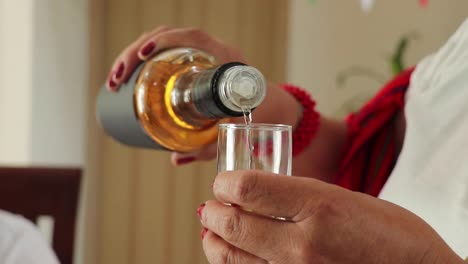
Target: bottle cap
241, 88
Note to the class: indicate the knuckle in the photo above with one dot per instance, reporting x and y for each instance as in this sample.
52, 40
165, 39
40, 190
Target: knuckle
303, 250
161, 28
226, 254
327, 210
244, 189
194, 30
325, 219
144, 35
231, 226
197, 34
306, 254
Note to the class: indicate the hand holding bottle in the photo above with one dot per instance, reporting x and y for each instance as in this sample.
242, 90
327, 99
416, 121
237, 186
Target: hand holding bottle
164, 38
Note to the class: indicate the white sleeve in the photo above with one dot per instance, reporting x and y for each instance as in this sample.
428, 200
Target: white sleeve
21, 243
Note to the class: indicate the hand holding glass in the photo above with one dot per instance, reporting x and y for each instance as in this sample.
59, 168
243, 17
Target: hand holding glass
255, 147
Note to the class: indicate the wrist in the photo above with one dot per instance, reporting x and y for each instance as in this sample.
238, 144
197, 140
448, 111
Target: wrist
306, 129
278, 107
290, 105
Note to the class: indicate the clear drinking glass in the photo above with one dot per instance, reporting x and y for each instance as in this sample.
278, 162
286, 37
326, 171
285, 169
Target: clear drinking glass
265, 147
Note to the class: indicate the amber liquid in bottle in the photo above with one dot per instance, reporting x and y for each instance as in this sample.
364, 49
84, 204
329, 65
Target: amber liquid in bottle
168, 116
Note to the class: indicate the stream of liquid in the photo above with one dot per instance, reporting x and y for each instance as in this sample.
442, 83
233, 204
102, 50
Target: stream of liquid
249, 139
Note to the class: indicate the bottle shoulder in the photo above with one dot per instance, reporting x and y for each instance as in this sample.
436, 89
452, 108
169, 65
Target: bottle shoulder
185, 56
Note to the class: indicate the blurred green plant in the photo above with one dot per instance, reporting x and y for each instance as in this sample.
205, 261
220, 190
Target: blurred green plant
396, 62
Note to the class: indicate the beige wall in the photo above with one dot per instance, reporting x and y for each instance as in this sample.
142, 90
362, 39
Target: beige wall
328, 37
15, 71
145, 208
43, 81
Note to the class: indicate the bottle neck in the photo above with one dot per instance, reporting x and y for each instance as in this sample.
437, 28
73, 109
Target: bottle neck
203, 96
228, 90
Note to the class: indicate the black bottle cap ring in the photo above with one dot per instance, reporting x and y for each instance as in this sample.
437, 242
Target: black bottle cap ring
216, 96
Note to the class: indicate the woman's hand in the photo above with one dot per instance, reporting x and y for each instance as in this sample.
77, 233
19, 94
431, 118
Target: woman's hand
163, 38
327, 224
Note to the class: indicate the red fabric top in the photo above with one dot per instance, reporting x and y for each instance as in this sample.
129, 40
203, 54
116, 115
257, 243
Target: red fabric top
370, 154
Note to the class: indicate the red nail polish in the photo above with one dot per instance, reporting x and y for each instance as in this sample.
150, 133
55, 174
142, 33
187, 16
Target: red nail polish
203, 233
185, 160
112, 84
200, 210
120, 70
147, 49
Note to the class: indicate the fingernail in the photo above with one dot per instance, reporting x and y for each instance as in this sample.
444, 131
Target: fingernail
147, 49
185, 160
120, 70
200, 210
203, 233
112, 85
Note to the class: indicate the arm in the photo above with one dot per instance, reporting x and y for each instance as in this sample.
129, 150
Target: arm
375, 138
321, 158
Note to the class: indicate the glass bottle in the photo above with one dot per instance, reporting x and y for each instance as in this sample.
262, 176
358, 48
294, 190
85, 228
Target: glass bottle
175, 100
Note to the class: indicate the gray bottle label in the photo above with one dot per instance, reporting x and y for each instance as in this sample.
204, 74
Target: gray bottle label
116, 113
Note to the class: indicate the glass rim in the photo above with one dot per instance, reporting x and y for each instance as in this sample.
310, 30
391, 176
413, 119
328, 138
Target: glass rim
256, 126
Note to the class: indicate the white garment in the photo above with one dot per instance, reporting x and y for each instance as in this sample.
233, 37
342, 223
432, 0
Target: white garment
431, 174
21, 242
